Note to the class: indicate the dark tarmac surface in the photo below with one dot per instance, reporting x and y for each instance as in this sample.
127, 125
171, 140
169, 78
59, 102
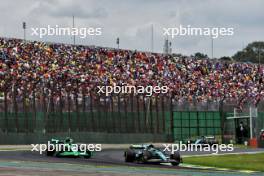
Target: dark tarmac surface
109, 158
106, 156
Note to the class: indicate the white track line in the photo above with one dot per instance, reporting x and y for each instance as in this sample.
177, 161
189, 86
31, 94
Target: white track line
219, 154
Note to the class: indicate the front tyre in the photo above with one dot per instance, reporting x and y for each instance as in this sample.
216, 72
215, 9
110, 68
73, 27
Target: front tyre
146, 156
88, 154
130, 155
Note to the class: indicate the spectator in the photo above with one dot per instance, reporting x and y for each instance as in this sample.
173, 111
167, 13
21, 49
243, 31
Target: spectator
64, 69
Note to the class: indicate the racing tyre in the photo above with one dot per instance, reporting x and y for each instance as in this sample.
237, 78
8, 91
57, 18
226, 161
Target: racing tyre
146, 156
88, 154
50, 153
177, 158
130, 155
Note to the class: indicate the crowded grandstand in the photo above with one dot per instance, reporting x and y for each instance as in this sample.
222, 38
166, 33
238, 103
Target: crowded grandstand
31, 66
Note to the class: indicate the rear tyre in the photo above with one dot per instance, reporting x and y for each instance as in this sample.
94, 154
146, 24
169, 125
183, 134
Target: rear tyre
175, 163
50, 153
130, 155
176, 157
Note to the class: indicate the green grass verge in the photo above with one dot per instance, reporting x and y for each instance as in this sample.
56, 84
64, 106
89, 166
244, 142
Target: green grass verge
253, 162
242, 146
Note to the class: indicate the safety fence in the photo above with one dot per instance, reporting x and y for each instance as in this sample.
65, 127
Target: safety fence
188, 124
77, 113
80, 113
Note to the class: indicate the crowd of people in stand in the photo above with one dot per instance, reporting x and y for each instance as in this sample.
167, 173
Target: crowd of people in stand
30, 67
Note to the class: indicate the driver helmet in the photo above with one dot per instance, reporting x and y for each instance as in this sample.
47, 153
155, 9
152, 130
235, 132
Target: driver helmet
68, 140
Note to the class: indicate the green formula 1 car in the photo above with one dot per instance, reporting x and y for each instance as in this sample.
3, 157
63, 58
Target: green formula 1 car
147, 153
66, 148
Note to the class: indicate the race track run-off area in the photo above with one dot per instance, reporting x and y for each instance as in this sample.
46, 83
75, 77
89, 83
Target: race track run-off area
106, 162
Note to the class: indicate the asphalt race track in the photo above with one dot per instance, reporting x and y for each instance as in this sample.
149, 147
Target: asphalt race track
107, 156
108, 161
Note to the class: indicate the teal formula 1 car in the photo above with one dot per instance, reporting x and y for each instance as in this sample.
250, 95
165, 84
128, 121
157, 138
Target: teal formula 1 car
66, 148
147, 153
